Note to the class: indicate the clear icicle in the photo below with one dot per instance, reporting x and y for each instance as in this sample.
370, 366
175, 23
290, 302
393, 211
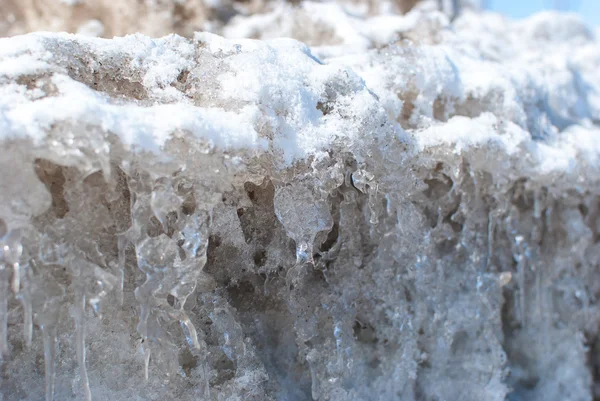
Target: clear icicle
16, 278
162, 201
206, 380
538, 292
25, 298
302, 216
337, 333
190, 330
49, 334
122, 246
315, 390
146, 362
312, 362
12, 251
265, 285
521, 266
373, 192
27, 320
522, 293
304, 252
490, 240
3, 311
294, 273
80, 328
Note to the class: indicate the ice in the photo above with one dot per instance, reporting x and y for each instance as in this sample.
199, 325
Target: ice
404, 206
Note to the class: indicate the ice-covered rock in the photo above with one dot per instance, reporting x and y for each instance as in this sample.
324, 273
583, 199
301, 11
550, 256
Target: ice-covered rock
405, 213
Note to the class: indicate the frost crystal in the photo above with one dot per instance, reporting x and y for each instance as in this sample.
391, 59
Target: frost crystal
405, 210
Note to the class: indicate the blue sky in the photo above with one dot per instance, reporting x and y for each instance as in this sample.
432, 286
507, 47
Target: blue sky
590, 9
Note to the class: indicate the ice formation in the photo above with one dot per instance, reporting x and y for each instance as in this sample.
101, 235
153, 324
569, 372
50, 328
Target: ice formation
403, 208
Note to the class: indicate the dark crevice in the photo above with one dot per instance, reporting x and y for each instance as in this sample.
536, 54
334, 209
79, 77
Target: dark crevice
258, 221
225, 369
521, 197
188, 207
364, 332
333, 234
120, 208
451, 219
187, 361
524, 377
325, 107
260, 257
438, 187
594, 364
242, 292
52, 175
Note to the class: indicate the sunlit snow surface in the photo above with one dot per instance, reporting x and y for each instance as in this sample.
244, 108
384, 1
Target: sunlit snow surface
399, 209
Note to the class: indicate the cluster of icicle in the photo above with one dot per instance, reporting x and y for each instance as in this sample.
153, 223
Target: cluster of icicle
171, 263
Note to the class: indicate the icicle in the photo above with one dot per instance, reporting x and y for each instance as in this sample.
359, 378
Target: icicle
190, 330
25, 298
364, 182
304, 252
265, 287
373, 192
49, 333
27, 320
162, 201
3, 311
312, 361
522, 295
206, 380
122, 246
538, 292
11, 253
538, 204
302, 216
303, 257
16, 279
521, 266
490, 242
143, 294
146, 362
232, 341
12, 250
294, 273
80, 328
337, 333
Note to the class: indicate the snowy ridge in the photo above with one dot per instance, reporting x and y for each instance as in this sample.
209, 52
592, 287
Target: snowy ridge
534, 76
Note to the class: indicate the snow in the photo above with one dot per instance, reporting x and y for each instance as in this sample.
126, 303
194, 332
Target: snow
262, 72
488, 59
